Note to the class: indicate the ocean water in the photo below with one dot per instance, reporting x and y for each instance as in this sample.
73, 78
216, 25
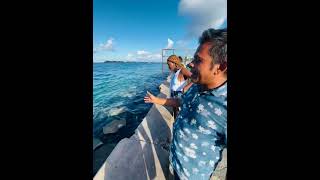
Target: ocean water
118, 91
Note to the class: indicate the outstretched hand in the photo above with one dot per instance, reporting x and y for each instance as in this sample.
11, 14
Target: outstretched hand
149, 98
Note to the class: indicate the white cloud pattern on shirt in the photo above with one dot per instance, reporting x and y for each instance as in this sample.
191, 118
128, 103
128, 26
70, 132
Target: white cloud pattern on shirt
193, 146
211, 163
195, 170
213, 148
218, 111
204, 131
205, 144
190, 152
205, 113
201, 163
212, 124
181, 134
200, 108
194, 136
186, 172
187, 130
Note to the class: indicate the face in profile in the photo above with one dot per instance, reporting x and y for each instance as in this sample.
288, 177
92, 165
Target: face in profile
171, 65
202, 71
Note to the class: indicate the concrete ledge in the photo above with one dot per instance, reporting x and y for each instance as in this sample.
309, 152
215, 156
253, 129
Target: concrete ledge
145, 155
132, 159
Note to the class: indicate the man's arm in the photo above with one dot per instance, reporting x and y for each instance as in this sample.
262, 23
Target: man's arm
149, 98
185, 72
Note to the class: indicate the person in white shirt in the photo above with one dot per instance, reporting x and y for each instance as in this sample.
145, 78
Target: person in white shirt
178, 79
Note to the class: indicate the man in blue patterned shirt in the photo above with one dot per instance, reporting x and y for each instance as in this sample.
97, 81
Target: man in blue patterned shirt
200, 129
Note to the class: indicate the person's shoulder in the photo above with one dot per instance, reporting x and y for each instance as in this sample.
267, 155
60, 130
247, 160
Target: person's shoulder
194, 88
221, 91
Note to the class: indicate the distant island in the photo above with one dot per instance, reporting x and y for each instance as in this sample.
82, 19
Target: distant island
128, 62
114, 62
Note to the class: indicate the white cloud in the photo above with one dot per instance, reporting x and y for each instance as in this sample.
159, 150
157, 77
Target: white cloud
108, 46
142, 52
147, 56
142, 55
203, 14
170, 44
217, 23
129, 57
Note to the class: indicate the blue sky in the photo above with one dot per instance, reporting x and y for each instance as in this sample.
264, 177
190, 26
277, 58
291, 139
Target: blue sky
127, 30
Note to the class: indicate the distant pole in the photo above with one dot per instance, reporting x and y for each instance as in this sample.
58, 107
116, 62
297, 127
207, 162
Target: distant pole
162, 63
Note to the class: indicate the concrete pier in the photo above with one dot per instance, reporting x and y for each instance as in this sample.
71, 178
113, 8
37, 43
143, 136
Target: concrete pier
145, 155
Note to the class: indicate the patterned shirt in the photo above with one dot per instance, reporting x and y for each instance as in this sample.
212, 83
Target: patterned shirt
199, 132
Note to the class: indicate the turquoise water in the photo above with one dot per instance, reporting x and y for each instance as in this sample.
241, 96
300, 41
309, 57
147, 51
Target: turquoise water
118, 91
